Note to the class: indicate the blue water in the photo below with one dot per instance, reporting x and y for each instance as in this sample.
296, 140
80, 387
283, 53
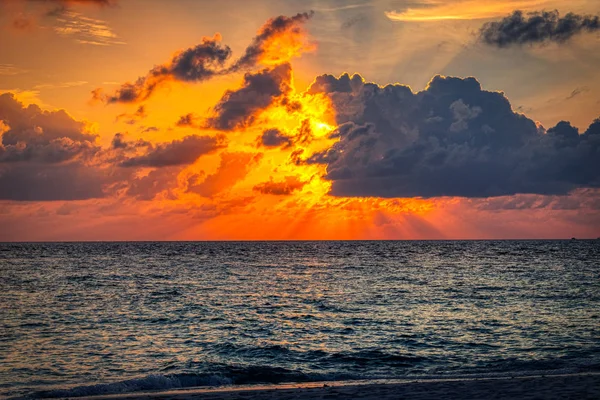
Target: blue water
99, 318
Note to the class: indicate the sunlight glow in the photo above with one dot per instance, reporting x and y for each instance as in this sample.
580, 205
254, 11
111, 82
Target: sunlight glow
462, 10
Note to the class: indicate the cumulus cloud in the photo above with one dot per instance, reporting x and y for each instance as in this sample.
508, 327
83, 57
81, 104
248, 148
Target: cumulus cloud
451, 139
239, 108
289, 185
195, 64
48, 156
537, 27
45, 155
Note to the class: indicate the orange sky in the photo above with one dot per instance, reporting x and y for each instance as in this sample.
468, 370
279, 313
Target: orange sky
242, 188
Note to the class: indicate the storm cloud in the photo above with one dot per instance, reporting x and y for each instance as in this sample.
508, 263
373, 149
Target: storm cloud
537, 27
451, 139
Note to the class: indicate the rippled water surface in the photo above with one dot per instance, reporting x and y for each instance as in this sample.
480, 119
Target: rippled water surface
92, 318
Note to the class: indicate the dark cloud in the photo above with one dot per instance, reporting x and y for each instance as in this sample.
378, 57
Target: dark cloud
261, 49
537, 27
283, 188
195, 64
48, 156
178, 152
274, 138
157, 181
133, 118
30, 182
233, 168
187, 120
119, 142
45, 155
278, 40
452, 139
44, 137
148, 129
239, 108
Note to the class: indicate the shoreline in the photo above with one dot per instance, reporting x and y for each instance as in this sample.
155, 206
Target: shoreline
561, 386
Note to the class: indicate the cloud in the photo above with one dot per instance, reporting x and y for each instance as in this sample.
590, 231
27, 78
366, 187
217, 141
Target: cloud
195, 64
536, 27
84, 30
178, 152
233, 168
148, 129
274, 138
49, 156
187, 120
286, 187
452, 139
239, 108
45, 155
133, 118
278, 40
426, 10
147, 187
577, 91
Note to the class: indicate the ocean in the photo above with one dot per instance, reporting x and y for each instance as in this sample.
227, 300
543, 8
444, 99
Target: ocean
80, 319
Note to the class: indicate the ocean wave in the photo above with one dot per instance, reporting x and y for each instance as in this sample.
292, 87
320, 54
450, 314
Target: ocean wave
221, 376
231, 375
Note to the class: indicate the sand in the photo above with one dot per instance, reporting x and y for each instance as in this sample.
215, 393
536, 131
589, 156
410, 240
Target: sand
572, 386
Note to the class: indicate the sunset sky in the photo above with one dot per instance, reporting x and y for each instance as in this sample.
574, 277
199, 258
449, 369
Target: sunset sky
299, 119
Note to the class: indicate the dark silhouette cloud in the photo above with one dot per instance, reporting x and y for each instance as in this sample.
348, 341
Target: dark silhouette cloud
274, 138
195, 64
283, 188
278, 40
148, 129
133, 118
452, 139
186, 120
239, 108
178, 152
264, 50
537, 27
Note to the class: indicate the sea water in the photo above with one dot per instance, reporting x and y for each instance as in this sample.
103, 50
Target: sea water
98, 318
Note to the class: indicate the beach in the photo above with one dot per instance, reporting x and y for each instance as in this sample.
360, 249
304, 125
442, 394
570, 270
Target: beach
570, 386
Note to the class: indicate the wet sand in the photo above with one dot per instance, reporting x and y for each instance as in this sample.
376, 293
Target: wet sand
572, 386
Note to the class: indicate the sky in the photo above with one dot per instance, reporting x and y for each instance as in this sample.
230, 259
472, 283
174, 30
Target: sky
299, 120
